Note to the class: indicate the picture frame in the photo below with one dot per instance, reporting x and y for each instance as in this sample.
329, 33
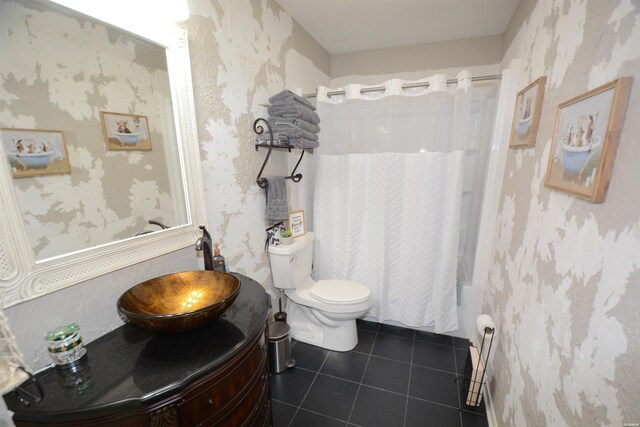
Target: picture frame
296, 223
585, 139
125, 132
35, 152
526, 115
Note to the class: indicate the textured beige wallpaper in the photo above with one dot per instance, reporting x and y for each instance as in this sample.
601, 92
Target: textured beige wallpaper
564, 286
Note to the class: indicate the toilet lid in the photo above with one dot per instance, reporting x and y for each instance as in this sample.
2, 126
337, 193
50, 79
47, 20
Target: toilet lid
339, 292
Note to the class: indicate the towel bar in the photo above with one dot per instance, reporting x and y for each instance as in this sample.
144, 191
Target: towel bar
259, 129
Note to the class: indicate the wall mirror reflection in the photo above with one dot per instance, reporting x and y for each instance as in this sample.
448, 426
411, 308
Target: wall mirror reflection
107, 92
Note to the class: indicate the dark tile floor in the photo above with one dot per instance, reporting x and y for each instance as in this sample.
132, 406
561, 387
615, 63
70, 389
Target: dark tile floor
395, 377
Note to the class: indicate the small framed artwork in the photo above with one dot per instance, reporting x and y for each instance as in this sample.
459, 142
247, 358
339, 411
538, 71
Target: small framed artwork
526, 116
585, 139
125, 131
296, 223
34, 152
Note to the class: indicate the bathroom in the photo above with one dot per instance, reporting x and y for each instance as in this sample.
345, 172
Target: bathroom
560, 271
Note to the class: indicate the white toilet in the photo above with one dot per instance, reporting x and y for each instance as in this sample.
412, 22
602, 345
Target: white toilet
321, 313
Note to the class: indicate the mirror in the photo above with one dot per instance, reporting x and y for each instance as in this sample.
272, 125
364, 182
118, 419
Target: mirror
98, 137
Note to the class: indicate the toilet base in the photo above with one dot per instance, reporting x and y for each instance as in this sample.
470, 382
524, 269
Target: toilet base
316, 328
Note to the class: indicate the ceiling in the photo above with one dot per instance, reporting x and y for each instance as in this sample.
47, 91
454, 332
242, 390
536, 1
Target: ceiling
342, 26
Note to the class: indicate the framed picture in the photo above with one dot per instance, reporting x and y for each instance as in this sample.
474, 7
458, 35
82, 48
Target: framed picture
125, 131
585, 138
296, 223
34, 152
526, 116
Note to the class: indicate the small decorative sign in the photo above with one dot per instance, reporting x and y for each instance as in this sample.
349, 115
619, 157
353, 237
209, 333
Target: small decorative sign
296, 223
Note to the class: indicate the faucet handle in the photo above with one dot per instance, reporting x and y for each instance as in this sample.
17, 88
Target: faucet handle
205, 233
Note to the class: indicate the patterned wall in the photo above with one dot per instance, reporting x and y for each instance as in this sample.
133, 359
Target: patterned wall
564, 283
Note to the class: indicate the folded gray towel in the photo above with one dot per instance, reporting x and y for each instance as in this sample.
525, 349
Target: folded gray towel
295, 111
277, 203
309, 127
293, 131
286, 97
304, 143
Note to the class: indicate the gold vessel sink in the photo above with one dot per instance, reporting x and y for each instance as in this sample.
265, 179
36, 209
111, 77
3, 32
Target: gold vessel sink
179, 302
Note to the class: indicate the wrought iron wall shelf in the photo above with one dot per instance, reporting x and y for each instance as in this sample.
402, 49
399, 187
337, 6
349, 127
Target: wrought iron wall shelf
259, 129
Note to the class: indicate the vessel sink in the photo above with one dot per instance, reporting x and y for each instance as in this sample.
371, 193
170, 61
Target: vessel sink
179, 302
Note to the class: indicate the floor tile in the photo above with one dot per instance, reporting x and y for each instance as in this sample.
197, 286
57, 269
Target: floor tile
378, 408
434, 338
461, 343
397, 331
364, 325
461, 357
393, 348
291, 385
434, 386
473, 420
425, 414
309, 419
308, 356
331, 396
365, 341
348, 365
282, 413
387, 374
434, 356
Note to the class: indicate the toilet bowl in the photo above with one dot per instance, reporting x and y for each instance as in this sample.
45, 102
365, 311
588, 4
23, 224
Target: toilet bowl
321, 313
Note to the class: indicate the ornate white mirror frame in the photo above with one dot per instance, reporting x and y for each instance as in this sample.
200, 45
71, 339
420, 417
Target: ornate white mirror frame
22, 278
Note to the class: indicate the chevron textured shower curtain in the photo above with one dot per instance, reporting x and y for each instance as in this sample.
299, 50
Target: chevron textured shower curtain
388, 189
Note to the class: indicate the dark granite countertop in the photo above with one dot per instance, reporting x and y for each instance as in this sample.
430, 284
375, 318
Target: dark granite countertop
130, 367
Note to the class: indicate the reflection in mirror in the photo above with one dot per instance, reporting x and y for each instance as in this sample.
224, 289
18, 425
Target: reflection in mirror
61, 72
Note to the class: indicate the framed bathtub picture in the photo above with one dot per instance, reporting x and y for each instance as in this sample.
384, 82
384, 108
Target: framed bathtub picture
296, 223
526, 117
585, 139
125, 131
33, 152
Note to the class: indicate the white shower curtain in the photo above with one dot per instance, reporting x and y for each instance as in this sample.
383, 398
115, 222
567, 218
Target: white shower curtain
388, 189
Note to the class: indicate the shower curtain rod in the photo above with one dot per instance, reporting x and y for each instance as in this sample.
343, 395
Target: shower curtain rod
407, 86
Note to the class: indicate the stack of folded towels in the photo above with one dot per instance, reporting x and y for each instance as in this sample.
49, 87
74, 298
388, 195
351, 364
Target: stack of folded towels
293, 120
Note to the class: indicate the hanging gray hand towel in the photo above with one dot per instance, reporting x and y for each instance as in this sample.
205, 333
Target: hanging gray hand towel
277, 203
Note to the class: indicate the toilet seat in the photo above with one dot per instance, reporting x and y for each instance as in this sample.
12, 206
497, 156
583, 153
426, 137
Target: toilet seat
339, 292
303, 296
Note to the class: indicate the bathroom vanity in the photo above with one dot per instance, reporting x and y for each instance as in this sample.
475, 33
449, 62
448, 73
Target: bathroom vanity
215, 375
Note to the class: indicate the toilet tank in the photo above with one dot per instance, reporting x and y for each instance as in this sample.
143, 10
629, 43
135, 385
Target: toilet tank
291, 264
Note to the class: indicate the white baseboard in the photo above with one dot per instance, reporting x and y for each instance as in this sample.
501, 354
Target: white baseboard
488, 404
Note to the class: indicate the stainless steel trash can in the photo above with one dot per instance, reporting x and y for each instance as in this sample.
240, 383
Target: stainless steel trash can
279, 347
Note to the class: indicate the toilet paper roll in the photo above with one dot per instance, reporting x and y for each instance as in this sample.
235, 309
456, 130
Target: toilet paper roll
484, 321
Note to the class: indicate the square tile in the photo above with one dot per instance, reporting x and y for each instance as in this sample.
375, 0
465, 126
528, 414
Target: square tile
308, 356
365, 341
387, 374
473, 420
434, 356
393, 348
364, 325
396, 331
291, 385
282, 413
425, 414
378, 408
461, 358
309, 419
331, 396
434, 338
461, 343
434, 386
348, 365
